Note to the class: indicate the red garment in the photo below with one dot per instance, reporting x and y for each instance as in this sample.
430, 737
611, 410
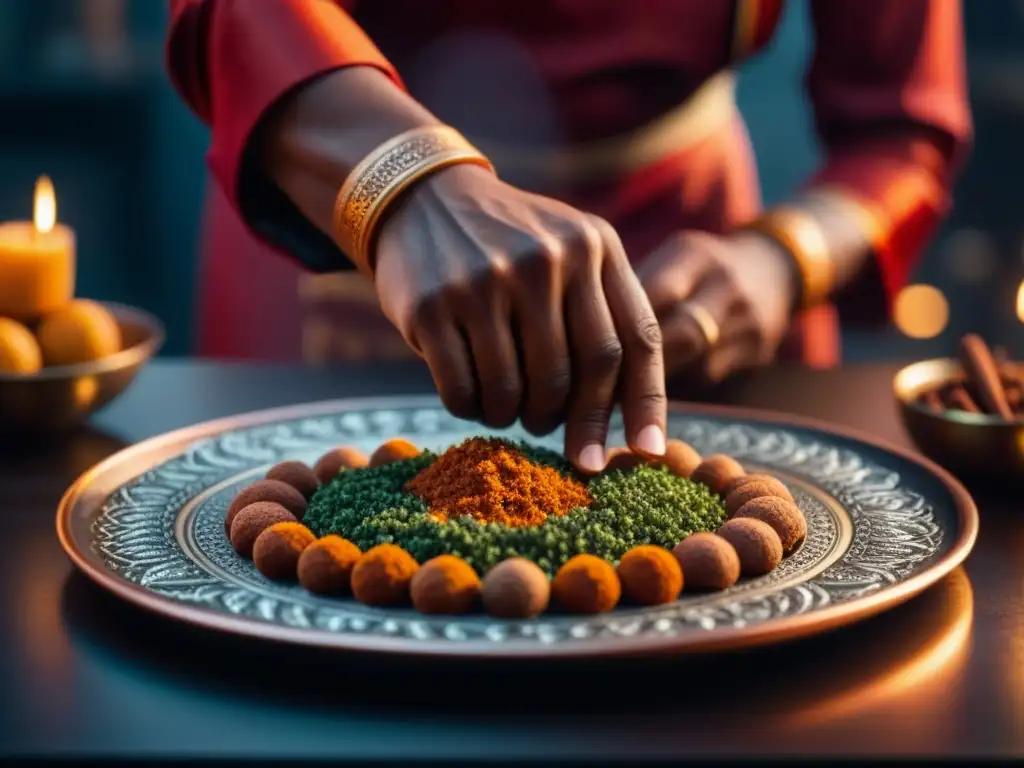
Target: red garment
886, 83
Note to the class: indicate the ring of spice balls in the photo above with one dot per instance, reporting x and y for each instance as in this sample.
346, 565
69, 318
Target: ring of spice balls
764, 525
553, 512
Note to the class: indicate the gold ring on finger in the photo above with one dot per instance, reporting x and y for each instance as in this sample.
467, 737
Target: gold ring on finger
705, 320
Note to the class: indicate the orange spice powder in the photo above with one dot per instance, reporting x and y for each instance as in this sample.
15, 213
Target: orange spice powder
492, 481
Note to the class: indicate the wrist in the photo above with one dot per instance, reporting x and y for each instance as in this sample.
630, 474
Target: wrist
773, 264
386, 176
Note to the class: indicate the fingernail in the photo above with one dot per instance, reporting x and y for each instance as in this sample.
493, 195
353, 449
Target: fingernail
592, 458
651, 440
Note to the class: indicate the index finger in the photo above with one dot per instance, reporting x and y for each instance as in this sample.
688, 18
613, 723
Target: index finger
642, 376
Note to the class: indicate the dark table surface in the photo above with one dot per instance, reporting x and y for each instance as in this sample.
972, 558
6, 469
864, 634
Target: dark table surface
85, 674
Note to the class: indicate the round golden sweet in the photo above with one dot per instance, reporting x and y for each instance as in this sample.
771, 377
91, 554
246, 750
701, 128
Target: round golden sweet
277, 550
79, 332
325, 566
19, 350
331, 463
395, 449
650, 575
382, 575
445, 584
586, 584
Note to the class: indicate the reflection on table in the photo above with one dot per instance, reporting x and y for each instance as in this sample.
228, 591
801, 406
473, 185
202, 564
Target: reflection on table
819, 693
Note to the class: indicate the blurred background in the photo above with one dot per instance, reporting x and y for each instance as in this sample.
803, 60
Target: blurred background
84, 99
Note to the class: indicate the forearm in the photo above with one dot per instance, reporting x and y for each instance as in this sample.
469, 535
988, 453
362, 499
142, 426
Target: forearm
860, 224
246, 68
880, 202
324, 129
887, 85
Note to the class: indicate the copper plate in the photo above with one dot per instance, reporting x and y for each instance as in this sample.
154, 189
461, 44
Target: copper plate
147, 524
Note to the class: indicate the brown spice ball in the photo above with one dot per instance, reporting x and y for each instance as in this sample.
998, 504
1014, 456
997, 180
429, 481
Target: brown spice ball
296, 474
650, 575
445, 584
780, 488
586, 584
266, 490
325, 566
331, 463
277, 550
516, 588
393, 450
382, 575
753, 487
252, 520
623, 458
757, 544
784, 516
680, 458
716, 472
708, 561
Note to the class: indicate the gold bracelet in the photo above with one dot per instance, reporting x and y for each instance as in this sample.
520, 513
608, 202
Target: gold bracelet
384, 174
800, 234
870, 221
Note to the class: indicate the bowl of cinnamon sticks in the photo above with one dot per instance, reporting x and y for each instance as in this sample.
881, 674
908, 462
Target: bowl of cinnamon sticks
967, 412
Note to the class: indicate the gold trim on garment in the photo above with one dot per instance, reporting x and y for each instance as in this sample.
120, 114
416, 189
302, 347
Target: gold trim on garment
744, 30
709, 109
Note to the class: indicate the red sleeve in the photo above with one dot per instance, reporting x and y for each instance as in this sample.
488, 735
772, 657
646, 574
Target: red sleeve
232, 60
888, 86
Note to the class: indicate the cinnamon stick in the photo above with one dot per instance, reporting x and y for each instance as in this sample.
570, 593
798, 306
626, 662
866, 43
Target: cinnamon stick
959, 400
1014, 396
981, 369
933, 401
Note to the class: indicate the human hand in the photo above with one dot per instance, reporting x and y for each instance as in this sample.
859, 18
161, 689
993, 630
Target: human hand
724, 302
523, 307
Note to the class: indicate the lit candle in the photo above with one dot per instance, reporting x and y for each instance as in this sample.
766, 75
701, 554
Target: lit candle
37, 260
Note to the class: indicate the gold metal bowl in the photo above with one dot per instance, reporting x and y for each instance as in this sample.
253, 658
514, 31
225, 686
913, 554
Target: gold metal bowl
64, 396
967, 444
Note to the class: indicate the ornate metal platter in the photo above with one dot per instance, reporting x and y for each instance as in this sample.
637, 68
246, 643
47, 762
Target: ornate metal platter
147, 524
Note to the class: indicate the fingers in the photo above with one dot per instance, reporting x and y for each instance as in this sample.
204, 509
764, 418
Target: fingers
642, 377
443, 345
596, 354
739, 353
673, 271
544, 347
496, 361
697, 324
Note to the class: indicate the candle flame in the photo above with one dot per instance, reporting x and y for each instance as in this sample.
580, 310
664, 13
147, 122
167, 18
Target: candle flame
45, 216
1020, 302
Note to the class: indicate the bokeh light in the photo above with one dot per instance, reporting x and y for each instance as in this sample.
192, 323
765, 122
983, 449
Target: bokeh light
1020, 301
921, 311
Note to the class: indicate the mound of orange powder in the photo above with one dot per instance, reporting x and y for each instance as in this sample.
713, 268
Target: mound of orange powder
493, 482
